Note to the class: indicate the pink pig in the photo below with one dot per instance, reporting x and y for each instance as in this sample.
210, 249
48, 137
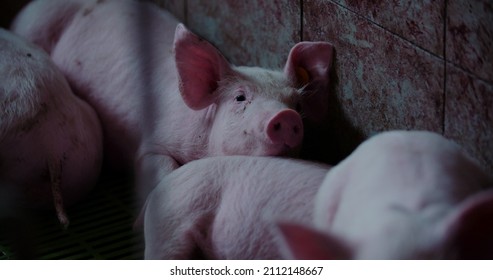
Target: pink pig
400, 195
50, 140
225, 207
165, 96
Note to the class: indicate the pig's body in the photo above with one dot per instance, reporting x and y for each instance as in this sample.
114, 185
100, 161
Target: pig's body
99, 46
401, 195
166, 98
50, 140
225, 207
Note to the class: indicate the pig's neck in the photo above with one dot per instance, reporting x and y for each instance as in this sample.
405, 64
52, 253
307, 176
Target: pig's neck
183, 133
195, 136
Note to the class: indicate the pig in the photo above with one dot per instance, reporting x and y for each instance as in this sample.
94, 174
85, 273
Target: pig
50, 140
410, 195
226, 207
399, 195
165, 96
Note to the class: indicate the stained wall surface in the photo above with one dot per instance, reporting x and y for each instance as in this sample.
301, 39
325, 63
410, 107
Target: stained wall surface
399, 64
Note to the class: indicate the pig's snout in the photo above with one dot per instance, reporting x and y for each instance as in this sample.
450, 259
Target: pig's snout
286, 127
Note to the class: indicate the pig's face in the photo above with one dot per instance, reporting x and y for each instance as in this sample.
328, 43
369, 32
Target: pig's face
256, 115
254, 109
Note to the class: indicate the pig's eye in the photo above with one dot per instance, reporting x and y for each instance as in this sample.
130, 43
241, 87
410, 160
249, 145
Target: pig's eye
240, 98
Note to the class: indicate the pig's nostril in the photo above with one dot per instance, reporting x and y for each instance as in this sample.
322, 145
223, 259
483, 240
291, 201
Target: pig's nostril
285, 128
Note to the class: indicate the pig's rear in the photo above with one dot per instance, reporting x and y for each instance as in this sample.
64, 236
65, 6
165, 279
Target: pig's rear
44, 21
51, 139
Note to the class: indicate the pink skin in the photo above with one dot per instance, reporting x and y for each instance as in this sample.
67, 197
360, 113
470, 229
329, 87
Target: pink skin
400, 195
170, 97
411, 195
225, 207
47, 134
285, 128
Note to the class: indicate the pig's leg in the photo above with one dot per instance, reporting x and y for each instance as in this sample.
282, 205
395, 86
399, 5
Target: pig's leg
55, 169
175, 224
175, 241
150, 170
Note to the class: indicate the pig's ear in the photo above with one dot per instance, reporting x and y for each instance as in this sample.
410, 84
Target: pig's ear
200, 67
304, 243
308, 67
469, 230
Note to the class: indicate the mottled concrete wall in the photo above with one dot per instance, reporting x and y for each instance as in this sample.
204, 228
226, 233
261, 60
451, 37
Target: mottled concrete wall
469, 76
399, 64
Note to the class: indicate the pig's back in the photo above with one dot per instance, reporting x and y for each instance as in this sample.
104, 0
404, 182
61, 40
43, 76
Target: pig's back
260, 192
117, 55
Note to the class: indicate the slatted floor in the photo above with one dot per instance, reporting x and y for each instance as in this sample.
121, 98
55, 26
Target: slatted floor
100, 228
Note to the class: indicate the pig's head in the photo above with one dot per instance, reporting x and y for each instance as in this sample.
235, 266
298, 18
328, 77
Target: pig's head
464, 233
254, 111
400, 195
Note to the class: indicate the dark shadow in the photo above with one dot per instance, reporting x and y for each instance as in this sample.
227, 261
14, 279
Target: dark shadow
335, 139
9, 9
